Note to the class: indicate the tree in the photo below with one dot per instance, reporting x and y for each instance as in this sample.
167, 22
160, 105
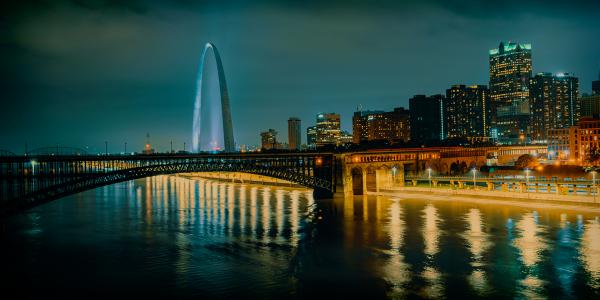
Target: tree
593, 156
526, 161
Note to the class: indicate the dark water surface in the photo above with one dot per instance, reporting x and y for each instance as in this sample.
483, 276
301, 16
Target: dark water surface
170, 235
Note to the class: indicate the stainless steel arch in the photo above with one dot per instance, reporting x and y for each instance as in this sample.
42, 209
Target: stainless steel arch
228, 142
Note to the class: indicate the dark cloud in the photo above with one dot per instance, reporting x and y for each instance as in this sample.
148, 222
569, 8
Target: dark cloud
81, 72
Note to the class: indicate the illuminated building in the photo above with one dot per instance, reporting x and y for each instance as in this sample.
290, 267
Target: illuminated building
576, 142
427, 121
269, 139
379, 125
512, 123
554, 103
467, 111
345, 138
328, 129
510, 71
562, 143
311, 136
294, 136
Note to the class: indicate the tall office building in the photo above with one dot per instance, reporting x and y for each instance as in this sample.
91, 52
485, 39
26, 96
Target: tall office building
391, 126
328, 129
427, 118
311, 136
512, 123
554, 103
510, 71
294, 136
467, 111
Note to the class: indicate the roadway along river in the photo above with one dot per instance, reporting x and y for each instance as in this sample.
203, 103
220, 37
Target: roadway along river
170, 235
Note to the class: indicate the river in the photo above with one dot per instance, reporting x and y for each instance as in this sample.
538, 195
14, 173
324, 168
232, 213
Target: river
186, 237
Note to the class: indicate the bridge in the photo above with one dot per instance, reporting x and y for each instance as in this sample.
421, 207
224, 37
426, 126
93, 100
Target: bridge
27, 181
48, 174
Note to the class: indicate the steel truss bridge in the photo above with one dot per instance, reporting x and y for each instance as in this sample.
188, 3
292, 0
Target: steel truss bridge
27, 181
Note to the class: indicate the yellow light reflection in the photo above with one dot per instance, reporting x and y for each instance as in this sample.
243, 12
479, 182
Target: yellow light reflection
279, 211
477, 242
294, 220
266, 213
396, 270
590, 250
431, 233
530, 243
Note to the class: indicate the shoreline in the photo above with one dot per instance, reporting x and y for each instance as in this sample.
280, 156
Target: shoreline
476, 197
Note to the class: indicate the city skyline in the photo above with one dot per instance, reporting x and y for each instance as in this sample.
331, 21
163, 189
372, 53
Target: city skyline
121, 91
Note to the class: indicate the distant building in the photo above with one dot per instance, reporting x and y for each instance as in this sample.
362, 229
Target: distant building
576, 142
328, 129
345, 138
596, 86
554, 103
512, 123
468, 112
427, 118
590, 106
311, 136
510, 71
391, 126
269, 139
294, 135
148, 147
562, 143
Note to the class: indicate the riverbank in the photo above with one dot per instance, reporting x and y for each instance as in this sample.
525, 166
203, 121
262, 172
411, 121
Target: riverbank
530, 200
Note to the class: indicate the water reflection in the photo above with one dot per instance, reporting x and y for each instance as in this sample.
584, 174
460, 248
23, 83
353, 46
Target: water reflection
530, 243
478, 243
431, 236
223, 240
395, 269
590, 251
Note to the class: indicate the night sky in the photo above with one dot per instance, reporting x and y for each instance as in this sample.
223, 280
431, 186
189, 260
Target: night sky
78, 73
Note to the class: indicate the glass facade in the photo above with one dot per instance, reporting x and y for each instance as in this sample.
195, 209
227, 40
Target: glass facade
554, 103
510, 71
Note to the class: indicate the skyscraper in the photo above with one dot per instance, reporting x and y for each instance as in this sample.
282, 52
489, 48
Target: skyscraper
427, 118
294, 136
510, 71
554, 103
311, 136
467, 111
391, 126
328, 129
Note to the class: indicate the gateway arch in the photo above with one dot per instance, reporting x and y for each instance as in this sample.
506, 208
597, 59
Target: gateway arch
228, 142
